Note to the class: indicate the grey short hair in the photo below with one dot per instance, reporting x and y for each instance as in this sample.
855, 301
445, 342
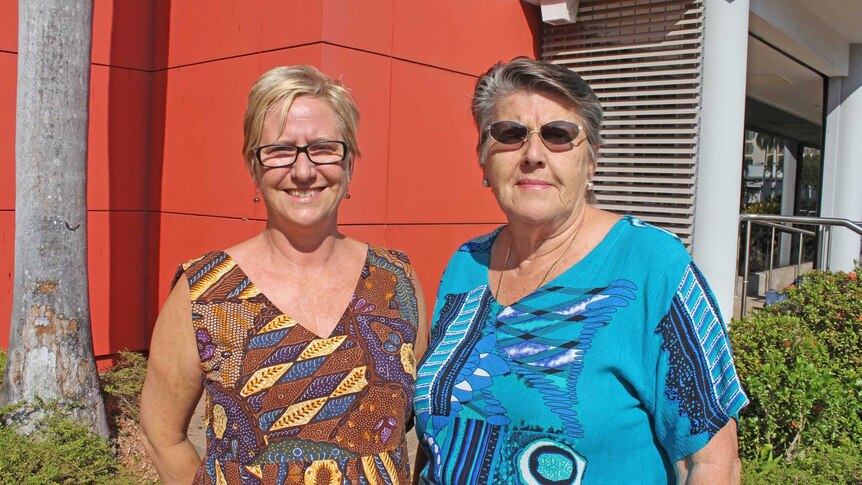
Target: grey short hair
522, 74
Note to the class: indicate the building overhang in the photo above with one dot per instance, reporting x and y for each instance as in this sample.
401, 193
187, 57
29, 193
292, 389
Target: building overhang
809, 32
557, 12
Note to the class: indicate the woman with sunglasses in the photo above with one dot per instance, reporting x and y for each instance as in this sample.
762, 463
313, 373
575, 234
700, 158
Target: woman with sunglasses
304, 340
571, 345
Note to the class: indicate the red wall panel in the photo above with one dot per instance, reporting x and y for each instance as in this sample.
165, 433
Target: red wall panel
151, 270
8, 26
215, 30
368, 76
465, 36
161, 41
122, 33
308, 54
117, 250
202, 170
434, 175
184, 237
289, 23
430, 247
7, 266
8, 81
156, 132
372, 234
359, 24
169, 87
118, 151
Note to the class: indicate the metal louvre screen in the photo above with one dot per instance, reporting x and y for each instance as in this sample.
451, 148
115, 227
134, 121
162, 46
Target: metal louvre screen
643, 59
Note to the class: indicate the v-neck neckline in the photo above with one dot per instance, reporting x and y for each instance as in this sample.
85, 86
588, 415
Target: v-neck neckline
278, 310
607, 239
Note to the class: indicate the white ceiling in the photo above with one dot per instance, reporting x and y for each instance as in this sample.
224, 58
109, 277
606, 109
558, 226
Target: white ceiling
844, 16
779, 81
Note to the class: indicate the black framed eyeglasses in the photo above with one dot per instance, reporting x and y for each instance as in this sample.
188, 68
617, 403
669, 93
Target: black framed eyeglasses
555, 132
319, 153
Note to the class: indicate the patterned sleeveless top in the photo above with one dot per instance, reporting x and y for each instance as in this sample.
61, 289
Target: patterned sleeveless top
285, 406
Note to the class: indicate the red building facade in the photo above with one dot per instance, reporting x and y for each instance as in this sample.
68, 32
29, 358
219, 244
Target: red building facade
168, 87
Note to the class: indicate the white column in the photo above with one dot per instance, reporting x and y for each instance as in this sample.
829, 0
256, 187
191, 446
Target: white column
788, 196
719, 165
841, 194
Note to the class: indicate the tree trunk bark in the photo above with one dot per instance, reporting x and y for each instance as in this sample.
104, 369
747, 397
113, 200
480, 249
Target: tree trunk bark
50, 348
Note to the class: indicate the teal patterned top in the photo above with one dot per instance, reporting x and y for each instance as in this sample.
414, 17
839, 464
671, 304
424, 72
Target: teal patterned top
608, 373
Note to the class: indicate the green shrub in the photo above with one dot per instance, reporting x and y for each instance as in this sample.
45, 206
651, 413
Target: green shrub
769, 207
841, 465
59, 451
799, 361
2, 365
830, 304
123, 383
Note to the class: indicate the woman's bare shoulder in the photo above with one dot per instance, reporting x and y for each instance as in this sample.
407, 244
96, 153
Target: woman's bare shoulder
599, 223
603, 219
245, 248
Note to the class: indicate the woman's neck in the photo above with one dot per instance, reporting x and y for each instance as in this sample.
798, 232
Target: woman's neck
531, 242
302, 246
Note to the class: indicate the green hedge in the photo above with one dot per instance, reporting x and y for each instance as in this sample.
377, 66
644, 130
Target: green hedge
801, 363
61, 451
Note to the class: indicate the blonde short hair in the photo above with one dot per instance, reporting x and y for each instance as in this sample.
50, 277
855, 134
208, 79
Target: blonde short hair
285, 84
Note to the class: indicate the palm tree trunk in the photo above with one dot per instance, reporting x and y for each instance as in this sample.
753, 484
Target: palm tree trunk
50, 348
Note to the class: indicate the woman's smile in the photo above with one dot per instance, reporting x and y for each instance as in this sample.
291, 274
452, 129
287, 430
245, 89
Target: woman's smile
309, 193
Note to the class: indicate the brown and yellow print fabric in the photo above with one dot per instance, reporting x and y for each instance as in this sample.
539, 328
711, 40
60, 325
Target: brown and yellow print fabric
285, 406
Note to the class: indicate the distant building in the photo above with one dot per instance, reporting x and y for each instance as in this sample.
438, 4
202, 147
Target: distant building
689, 86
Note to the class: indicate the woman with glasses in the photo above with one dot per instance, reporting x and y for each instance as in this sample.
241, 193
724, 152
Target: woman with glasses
303, 339
570, 345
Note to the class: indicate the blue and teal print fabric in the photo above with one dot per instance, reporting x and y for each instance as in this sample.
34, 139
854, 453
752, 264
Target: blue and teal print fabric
609, 373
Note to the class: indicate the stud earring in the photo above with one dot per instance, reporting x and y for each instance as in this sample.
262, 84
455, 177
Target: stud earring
256, 196
485, 183
347, 194
590, 185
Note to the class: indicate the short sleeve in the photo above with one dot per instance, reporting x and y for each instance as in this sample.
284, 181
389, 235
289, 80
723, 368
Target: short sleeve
697, 388
181, 269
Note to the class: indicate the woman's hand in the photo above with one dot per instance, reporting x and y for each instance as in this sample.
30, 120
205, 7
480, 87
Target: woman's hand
717, 462
172, 389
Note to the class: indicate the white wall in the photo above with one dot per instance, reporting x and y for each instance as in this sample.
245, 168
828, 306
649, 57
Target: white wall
841, 195
719, 165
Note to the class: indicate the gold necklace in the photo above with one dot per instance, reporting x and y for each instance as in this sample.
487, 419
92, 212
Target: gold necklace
548, 273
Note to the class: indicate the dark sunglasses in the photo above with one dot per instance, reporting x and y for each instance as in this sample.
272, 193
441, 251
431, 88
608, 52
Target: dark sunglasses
554, 133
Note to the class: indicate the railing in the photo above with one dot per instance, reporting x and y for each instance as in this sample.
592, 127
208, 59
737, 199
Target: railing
785, 224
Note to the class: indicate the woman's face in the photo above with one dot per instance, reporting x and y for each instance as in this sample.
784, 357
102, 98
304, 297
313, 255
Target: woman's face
303, 194
535, 182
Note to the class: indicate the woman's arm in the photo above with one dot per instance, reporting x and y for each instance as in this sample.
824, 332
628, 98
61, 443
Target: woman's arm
422, 325
717, 462
419, 349
172, 389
